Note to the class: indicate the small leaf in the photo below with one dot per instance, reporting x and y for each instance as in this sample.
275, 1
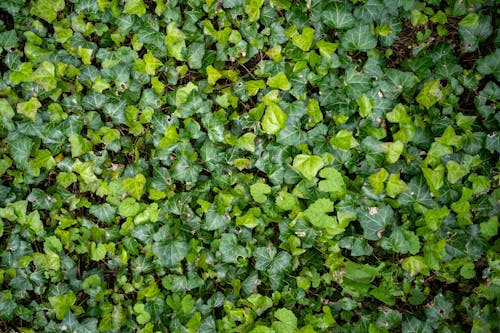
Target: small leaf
415, 265
304, 41
279, 81
274, 119
308, 165
136, 7
259, 192
317, 213
62, 304
359, 38
430, 94
134, 186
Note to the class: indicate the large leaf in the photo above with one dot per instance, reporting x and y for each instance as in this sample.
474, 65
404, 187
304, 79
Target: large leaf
374, 221
359, 38
170, 253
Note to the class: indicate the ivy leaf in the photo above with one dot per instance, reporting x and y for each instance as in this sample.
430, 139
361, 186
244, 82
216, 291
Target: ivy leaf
230, 250
134, 186
274, 119
259, 192
279, 81
252, 8
430, 94
44, 75
374, 221
317, 213
62, 303
287, 321
20, 150
333, 182
359, 38
338, 17
134, 7
170, 253
490, 64
308, 165
304, 40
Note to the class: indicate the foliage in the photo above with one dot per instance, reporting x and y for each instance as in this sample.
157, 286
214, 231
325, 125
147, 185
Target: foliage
249, 166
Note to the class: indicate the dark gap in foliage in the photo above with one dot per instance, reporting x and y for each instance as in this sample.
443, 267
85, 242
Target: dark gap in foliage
7, 19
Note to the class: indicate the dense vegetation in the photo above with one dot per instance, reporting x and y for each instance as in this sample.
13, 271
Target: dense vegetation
249, 166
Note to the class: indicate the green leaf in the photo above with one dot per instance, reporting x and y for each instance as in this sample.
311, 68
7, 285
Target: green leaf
430, 94
434, 178
97, 251
134, 7
333, 183
415, 265
274, 119
359, 38
279, 81
304, 40
490, 64
45, 76
170, 253
29, 108
134, 186
374, 220
79, 145
434, 217
365, 105
344, 140
151, 63
317, 213
129, 207
338, 17
455, 171
489, 228
62, 303
20, 151
259, 192
287, 321
252, 8
395, 185
230, 250
285, 200
47, 9
308, 165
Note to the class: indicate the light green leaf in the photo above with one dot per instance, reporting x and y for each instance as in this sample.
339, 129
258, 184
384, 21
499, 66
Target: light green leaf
79, 145
314, 113
455, 171
317, 213
97, 251
395, 185
304, 41
62, 304
134, 7
274, 119
434, 178
308, 165
285, 200
29, 108
259, 192
344, 140
252, 8
279, 81
333, 183
134, 186
287, 321
415, 265
377, 180
434, 217
430, 94
151, 63
365, 105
